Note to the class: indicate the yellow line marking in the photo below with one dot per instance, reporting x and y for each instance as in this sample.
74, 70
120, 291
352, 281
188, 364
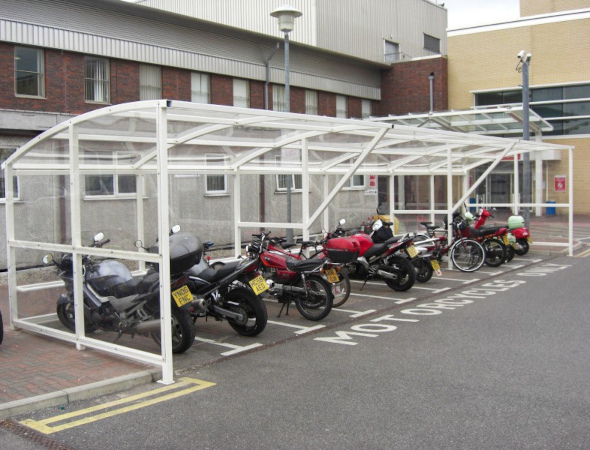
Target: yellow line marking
583, 254
43, 427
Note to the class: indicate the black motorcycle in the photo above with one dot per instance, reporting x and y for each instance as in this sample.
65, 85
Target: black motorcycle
222, 292
116, 301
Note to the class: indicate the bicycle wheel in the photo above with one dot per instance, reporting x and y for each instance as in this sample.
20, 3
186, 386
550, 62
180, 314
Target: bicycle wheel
495, 252
344, 291
467, 255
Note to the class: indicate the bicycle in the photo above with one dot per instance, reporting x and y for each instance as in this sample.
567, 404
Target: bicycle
467, 254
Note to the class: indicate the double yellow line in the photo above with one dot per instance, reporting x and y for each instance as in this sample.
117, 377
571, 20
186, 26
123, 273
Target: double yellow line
44, 426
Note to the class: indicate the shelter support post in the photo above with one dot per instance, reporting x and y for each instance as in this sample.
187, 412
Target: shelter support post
391, 194
305, 188
164, 243
516, 193
432, 199
449, 200
570, 188
538, 185
237, 214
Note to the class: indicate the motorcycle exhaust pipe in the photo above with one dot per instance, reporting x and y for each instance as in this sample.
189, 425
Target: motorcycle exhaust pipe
148, 326
387, 275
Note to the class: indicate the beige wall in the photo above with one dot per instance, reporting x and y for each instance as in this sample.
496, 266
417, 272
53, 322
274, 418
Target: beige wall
487, 59
534, 7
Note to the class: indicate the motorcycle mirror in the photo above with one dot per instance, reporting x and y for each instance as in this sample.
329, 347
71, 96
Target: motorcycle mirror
99, 237
175, 229
139, 244
48, 259
342, 221
324, 231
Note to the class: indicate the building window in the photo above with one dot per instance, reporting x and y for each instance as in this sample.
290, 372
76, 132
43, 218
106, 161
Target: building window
296, 180
357, 181
242, 93
341, 109
97, 80
278, 98
311, 102
215, 184
5, 153
150, 82
29, 64
391, 52
566, 108
109, 185
200, 87
431, 44
366, 109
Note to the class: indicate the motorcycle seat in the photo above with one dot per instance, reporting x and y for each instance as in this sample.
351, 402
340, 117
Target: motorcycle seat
392, 240
212, 275
304, 265
490, 230
134, 286
376, 249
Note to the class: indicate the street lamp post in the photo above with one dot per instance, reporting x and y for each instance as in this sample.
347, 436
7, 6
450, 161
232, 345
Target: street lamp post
286, 16
523, 66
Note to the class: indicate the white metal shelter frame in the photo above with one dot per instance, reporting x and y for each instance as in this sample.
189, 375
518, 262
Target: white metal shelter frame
165, 138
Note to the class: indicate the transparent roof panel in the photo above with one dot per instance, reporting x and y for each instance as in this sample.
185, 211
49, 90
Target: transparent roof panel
198, 138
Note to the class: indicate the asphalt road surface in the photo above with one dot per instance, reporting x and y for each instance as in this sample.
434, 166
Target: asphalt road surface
498, 363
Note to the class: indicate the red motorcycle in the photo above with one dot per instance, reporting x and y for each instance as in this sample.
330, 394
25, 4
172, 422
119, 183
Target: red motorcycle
290, 279
390, 260
516, 231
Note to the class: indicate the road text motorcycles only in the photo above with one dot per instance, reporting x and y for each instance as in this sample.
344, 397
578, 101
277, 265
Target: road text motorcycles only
116, 301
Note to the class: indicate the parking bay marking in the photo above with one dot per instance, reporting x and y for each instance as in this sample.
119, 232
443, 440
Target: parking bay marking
43, 425
234, 348
399, 301
301, 330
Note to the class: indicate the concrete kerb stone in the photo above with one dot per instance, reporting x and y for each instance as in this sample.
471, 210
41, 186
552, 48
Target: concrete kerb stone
70, 395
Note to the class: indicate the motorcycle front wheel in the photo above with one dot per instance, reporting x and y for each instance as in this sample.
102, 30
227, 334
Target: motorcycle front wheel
424, 269
509, 253
406, 274
522, 247
183, 330
495, 252
344, 285
468, 255
252, 308
65, 314
318, 302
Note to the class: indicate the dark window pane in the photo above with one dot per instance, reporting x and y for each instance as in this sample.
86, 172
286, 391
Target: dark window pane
573, 92
127, 184
576, 109
488, 98
546, 94
581, 126
513, 96
553, 110
100, 185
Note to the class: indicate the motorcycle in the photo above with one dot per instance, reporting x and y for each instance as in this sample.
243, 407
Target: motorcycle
390, 260
116, 301
222, 292
517, 232
290, 280
494, 240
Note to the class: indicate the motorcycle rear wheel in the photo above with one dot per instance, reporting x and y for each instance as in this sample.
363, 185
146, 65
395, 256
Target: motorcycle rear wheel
405, 271
495, 252
341, 298
522, 247
183, 330
424, 269
468, 255
318, 303
65, 314
244, 301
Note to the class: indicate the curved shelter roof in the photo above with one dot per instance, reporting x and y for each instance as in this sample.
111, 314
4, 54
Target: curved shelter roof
245, 136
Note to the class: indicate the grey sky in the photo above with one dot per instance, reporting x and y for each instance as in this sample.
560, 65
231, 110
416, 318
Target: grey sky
466, 13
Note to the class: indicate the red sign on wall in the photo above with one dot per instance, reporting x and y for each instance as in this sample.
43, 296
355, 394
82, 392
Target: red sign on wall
559, 183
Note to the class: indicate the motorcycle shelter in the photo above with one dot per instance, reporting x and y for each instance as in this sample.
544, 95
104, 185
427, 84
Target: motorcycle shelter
147, 154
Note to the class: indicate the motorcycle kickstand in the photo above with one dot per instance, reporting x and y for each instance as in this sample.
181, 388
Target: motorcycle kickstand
283, 307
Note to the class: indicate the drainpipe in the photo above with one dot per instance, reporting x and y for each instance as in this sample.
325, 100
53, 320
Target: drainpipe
267, 81
431, 80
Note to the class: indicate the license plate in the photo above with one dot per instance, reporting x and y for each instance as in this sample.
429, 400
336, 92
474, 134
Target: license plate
258, 285
332, 276
182, 296
505, 239
435, 265
530, 240
412, 251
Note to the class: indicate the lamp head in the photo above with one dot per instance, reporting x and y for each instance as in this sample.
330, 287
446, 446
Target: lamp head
286, 15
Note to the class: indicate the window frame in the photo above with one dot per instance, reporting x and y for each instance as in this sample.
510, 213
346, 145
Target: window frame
278, 98
9, 151
97, 83
197, 95
311, 102
116, 191
39, 74
340, 111
147, 74
241, 84
224, 191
